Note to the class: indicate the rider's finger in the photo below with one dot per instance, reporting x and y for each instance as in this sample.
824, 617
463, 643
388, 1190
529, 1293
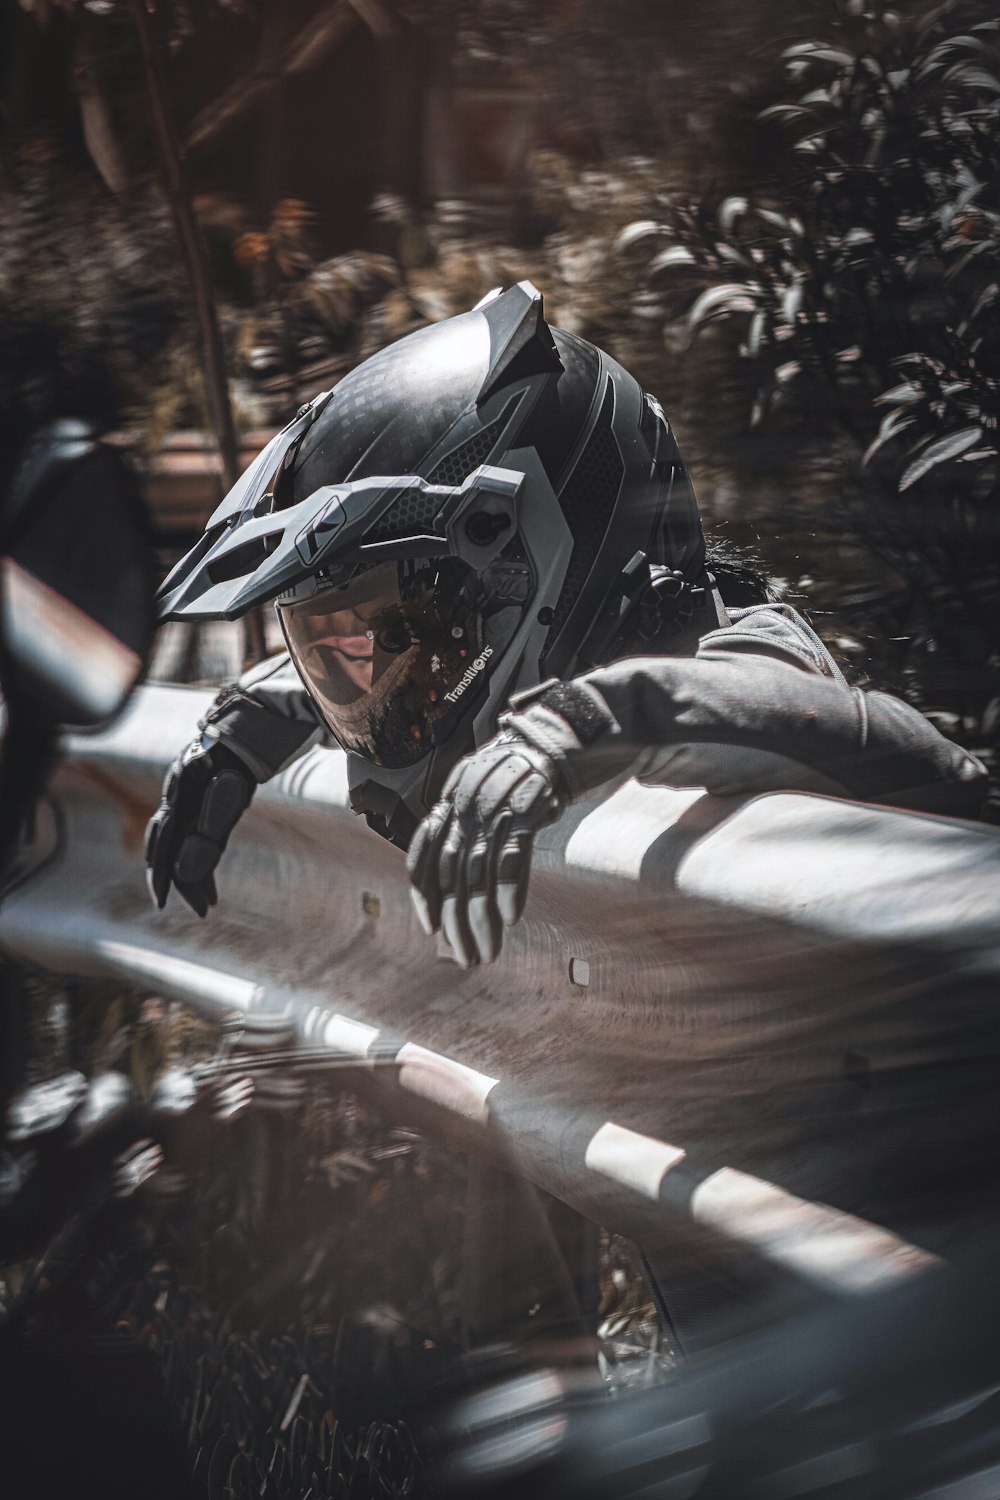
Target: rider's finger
454, 893
422, 864
159, 834
525, 806
416, 864
483, 917
158, 891
423, 912
194, 894
450, 857
419, 853
513, 871
455, 926
196, 858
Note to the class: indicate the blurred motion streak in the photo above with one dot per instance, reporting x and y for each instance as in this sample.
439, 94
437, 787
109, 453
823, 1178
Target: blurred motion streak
854, 1058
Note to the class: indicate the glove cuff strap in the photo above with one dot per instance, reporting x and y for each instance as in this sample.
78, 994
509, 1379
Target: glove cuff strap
578, 706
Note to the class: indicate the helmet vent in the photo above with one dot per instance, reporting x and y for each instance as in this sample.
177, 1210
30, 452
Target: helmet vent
588, 500
460, 462
413, 514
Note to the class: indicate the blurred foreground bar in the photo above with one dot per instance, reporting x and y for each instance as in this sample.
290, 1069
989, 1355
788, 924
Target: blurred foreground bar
760, 1037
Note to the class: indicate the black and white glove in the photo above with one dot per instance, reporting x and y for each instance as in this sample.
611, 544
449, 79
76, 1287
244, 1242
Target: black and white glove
470, 859
206, 792
208, 789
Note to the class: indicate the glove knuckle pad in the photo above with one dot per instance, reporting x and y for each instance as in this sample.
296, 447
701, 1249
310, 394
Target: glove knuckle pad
529, 796
226, 799
498, 790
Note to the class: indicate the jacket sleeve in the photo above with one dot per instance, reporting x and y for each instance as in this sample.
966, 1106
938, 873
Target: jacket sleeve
762, 706
268, 720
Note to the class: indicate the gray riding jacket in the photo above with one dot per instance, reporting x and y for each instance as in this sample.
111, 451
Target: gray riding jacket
760, 706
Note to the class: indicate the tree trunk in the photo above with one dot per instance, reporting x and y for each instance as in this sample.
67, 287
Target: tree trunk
196, 259
192, 246
95, 112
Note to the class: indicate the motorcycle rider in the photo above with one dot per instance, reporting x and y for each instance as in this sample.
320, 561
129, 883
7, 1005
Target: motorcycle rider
489, 526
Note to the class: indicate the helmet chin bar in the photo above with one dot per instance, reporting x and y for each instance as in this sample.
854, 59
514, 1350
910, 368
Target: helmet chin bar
386, 809
394, 800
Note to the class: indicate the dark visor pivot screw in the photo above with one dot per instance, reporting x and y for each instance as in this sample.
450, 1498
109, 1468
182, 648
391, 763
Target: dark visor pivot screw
482, 529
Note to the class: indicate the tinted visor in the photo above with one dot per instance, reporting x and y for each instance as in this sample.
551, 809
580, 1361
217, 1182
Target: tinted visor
379, 660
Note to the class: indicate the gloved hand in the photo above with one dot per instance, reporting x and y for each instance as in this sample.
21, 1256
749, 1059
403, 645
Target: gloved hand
470, 859
205, 794
209, 788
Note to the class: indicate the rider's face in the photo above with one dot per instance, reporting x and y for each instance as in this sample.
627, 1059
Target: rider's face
349, 648
343, 651
380, 666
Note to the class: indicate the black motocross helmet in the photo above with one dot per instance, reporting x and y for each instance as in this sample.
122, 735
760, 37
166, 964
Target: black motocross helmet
466, 513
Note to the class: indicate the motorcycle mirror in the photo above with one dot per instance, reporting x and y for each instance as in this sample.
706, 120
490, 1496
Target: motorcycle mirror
76, 584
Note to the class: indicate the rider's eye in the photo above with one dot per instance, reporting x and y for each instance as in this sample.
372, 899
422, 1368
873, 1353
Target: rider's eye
394, 636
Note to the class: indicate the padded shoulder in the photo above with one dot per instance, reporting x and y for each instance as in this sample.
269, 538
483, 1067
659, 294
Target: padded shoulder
776, 631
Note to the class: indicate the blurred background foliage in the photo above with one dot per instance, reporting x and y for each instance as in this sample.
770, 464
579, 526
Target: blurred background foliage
784, 218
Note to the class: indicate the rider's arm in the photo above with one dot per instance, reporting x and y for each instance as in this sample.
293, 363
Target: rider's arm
268, 719
762, 706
